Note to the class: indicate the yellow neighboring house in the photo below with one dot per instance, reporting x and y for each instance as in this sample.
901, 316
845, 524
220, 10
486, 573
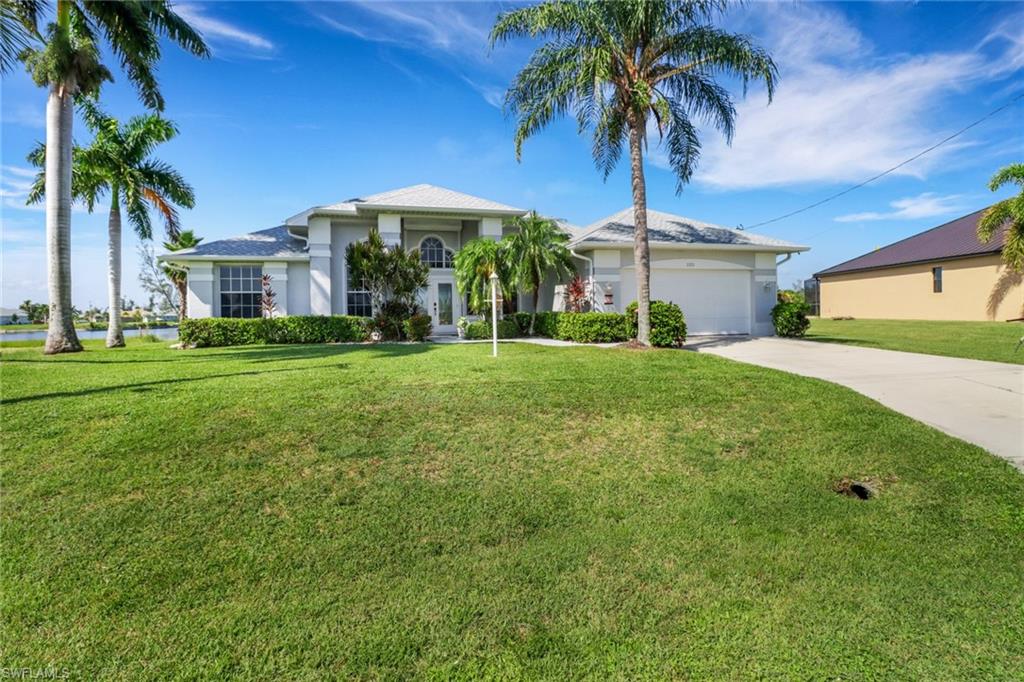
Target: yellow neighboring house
943, 273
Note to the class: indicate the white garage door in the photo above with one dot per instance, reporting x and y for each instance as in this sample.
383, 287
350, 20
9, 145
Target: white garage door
713, 301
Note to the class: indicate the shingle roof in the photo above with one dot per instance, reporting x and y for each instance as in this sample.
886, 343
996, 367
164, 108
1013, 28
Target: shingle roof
271, 243
425, 196
665, 228
955, 239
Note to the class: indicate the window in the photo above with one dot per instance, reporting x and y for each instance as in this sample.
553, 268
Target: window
937, 280
433, 253
358, 299
241, 290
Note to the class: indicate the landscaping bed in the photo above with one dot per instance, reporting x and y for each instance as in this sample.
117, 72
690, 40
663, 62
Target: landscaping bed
417, 510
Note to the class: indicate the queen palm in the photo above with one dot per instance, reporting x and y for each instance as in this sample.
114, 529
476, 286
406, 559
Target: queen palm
118, 164
474, 264
19, 20
185, 239
537, 248
1008, 212
68, 64
618, 65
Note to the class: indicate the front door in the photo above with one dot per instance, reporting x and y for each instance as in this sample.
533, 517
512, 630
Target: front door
442, 304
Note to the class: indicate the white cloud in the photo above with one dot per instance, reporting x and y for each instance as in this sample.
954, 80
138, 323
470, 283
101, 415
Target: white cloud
925, 205
494, 96
217, 29
841, 113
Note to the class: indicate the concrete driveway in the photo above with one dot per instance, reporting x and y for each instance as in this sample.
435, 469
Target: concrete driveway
980, 402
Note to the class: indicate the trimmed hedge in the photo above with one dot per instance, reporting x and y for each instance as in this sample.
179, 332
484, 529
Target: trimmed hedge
790, 318
507, 329
668, 326
591, 327
224, 331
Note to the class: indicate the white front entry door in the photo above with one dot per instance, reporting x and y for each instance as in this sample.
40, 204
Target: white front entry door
443, 304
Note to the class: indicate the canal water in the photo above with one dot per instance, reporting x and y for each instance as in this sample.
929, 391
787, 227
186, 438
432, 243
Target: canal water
159, 332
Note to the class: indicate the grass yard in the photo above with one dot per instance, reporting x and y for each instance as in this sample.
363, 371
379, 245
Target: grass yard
417, 510
975, 340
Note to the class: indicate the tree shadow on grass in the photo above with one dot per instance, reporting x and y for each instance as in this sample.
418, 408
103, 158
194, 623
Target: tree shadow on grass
272, 353
140, 387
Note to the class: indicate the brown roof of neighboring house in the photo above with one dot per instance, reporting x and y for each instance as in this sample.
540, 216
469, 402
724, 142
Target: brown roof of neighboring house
955, 239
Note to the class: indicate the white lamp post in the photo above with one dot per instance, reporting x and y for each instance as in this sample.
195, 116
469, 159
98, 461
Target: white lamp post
494, 313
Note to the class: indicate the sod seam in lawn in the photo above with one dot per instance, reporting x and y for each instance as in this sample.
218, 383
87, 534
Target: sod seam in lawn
420, 510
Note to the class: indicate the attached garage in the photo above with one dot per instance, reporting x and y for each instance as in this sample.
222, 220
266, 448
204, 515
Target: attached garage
713, 301
724, 280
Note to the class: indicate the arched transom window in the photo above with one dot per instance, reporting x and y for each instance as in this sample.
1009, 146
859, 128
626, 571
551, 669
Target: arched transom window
434, 254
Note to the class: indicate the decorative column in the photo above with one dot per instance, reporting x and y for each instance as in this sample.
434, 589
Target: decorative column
490, 228
200, 290
390, 227
278, 272
320, 265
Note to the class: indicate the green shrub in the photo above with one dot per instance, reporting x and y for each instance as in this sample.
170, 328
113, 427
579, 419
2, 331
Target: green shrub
418, 327
390, 320
790, 318
223, 331
668, 326
591, 327
507, 329
547, 324
522, 321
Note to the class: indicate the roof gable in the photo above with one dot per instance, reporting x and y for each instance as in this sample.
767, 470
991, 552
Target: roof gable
955, 239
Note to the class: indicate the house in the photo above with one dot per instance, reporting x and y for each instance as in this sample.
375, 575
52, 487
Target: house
724, 280
13, 316
943, 273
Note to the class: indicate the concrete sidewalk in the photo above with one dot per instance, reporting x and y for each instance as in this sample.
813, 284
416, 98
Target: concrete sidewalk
980, 402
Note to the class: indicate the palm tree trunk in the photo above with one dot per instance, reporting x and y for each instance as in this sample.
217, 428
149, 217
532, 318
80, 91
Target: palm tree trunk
536, 301
60, 334
182, 285
641, 248
115, 335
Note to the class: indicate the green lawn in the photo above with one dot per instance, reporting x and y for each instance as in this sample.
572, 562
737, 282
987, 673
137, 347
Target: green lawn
417, 510
976, 340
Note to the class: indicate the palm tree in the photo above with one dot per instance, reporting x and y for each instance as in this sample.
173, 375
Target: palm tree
474, 264
535, 249
617, 65
1008, 212
185, 239
19, 21
68, 64
118, 163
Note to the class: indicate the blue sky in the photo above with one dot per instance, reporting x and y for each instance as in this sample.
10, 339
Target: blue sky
311, 103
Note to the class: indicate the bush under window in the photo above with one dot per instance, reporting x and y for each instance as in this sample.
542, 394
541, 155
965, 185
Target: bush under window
222, 331
507, 329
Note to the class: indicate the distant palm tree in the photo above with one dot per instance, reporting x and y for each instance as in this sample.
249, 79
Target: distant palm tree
118, 164
617, 65
537, 247
68, 64
474, 264
1008, 212
28, 307
186, 239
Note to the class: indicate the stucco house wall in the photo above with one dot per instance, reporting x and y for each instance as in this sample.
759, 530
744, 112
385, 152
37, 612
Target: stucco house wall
976, 288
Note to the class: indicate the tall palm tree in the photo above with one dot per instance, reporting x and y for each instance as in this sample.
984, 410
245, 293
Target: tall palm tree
617, 66
536, 248
474, 264
68, 65
185, 239
118, 164
1008, 212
